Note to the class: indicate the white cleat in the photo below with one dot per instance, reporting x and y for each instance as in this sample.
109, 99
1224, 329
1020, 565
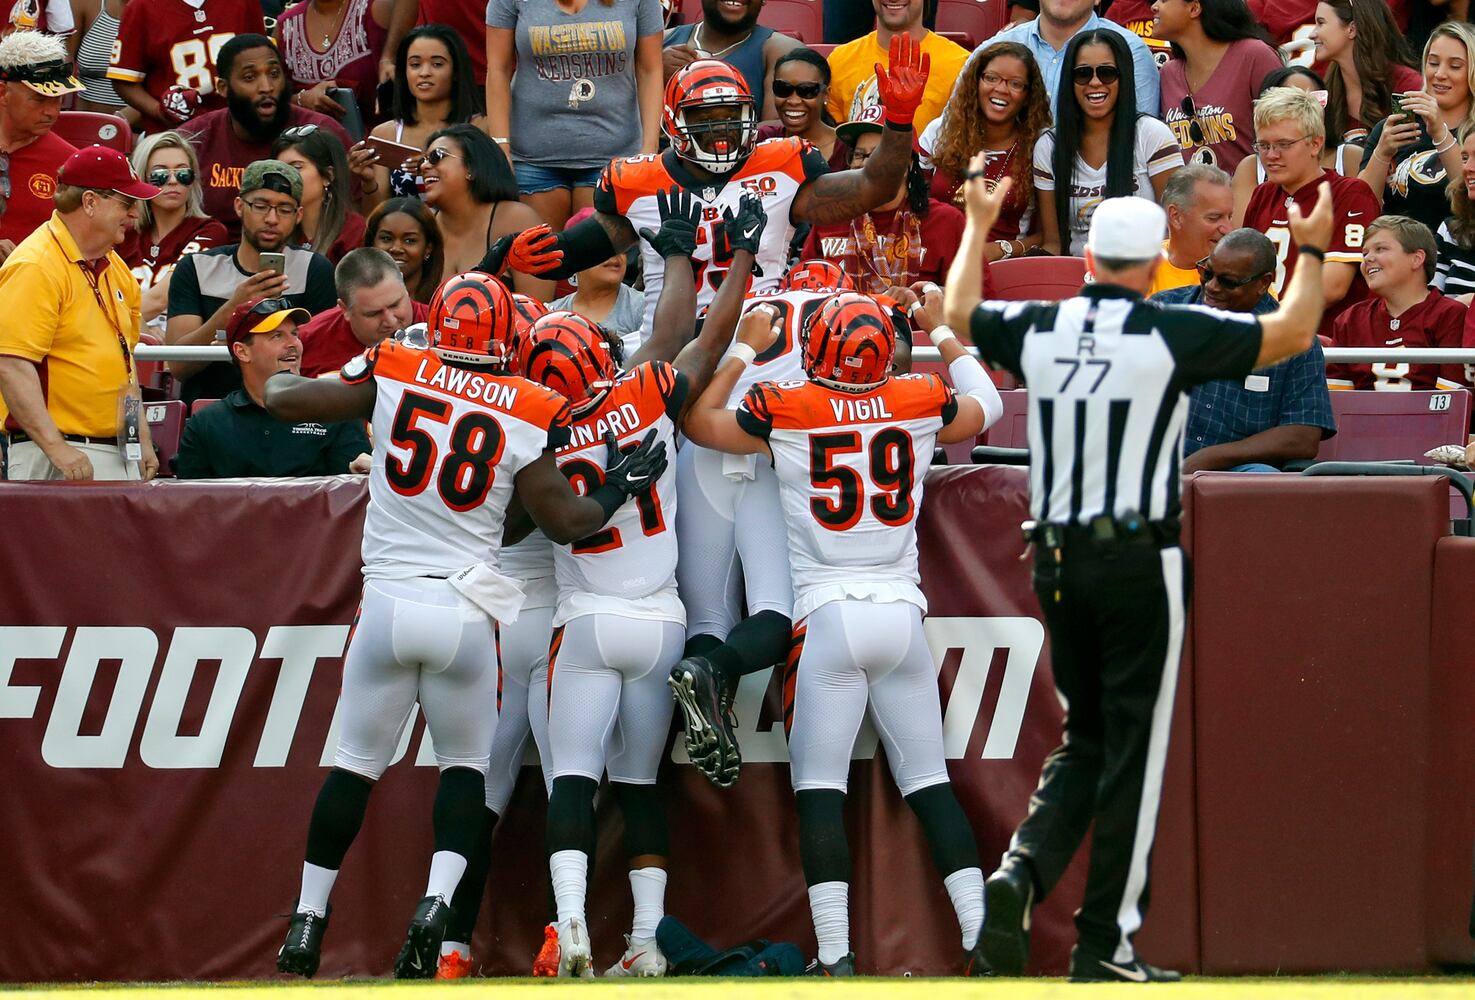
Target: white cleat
641, 958
575, 958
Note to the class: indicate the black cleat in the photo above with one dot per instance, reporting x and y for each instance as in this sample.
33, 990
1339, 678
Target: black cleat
845, 967
974, 964
710, 741
1086, 969
420, 956
1008, 895
303, 949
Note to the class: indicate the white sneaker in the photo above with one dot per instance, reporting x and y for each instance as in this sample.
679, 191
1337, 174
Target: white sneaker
642, 958
575, 958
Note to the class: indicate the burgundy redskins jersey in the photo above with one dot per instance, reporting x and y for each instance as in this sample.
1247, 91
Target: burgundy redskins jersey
775, 171
850, 468
1436, 322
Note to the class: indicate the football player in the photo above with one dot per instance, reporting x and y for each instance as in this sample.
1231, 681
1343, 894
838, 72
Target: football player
851, 445
453, 434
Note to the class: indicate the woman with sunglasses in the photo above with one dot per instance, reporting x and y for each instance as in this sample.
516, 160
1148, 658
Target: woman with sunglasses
1220, 55
471, 188
405, 229
169, 226
1369, 63
801, 87
1000, 106
1101, 146
329, 224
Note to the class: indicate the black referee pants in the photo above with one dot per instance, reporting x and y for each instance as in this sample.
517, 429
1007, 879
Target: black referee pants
1115, 611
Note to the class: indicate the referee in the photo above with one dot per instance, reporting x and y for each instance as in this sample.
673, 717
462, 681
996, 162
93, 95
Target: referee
1108, 375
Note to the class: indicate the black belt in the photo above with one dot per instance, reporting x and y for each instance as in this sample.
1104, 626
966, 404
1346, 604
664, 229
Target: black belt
1102, 530
16, 437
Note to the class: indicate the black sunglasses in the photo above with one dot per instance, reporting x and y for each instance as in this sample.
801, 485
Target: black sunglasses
1195, 132
160, 176
1105, 73
439, 153
1207, 274
268, 306
808, 91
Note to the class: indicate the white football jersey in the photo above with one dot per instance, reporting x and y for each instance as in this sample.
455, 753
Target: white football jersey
448, 443
850, 468
783, 361
628, 567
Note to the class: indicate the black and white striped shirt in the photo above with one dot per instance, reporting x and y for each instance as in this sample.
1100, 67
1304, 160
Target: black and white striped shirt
1108, 375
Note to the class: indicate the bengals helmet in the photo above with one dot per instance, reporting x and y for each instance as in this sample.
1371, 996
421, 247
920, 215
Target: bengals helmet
849, 343
472, 320
720, 145
526, 311
571, 356
816, 276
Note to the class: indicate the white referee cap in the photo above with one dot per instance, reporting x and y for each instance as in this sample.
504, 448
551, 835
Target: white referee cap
1128, 229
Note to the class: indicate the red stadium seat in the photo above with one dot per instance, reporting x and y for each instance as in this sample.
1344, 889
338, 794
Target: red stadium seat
960, 38
1012, 429
823, 48
1021, 279
976, 20
153, 376
201, 404
803, 19
1379, 426
94, 128
166, 427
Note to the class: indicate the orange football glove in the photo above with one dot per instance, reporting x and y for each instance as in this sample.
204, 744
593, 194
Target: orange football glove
535, 251
902, 85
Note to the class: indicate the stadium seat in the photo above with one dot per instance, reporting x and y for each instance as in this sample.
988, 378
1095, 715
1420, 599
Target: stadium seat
803, 19
1021, 279
824, 48
960, 38
200, 404
1381, 426
94, 128
976, 20
153, 376
1012, 429
166, 427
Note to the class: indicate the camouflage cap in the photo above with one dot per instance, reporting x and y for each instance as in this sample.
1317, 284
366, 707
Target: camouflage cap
254, 179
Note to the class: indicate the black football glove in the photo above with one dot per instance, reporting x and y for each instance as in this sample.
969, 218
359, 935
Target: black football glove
677, 236
744, 228
634, 471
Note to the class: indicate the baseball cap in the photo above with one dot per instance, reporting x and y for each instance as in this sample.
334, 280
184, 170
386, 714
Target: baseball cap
870, 118
254, 179
103, 169
1127, 229
261, 315
52, 78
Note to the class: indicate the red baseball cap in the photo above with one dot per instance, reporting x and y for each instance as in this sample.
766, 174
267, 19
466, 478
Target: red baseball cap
261, 315
103, 169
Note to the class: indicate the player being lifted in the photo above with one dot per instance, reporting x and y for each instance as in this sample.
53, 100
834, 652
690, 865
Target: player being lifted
851, 446
620, 624
453, 434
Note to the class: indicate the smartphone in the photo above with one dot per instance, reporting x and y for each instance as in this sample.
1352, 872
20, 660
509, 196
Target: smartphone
392, 154
1398, 105
353, 119
274, 262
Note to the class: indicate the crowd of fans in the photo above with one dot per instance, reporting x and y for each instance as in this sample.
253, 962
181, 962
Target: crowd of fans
282, 141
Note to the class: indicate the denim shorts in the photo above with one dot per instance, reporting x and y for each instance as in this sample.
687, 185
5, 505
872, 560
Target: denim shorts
533, 179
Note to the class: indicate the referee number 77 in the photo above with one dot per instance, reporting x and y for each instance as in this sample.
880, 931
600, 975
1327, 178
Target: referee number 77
1074, 365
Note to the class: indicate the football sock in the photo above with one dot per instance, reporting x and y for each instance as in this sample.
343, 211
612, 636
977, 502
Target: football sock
700, 645
570, 823
829, 903
965, 889
336, 818
648, 889
455, 948
948, 832
317, 886
823, 848
645, 819
446, 869
466, 903
755, 643
460, 801
569, 869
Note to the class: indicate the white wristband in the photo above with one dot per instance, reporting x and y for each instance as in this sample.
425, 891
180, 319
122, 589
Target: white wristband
940, 333
743, 353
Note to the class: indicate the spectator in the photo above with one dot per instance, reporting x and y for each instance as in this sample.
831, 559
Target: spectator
471, 188
92, 48
329, 223
1414, 154
853, 65
1275, 415
66, 346
1048, 35
1289, 133
172, 224
51, 17
1401, 310
1288, 21
373, 304
235, 438
1100, 147
594, 75
1140, 18
730, 31
34, 69
913, 237
1199, 204
601, 294
1369, 63
800, 91
1455, 273
165, 59
338, 47
999, 107
207, 287
256, 112
1218, 45
433, 88
405, 229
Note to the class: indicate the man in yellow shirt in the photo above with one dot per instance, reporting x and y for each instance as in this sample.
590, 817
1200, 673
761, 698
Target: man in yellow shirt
1200, 206
853, 65
70, 326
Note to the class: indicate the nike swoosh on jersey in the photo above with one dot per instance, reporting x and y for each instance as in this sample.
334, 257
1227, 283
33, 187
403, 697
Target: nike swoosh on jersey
1136, 975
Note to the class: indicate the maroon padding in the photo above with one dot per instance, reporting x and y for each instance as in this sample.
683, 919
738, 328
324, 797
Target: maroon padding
1311, 644
1012, 429
1449, 854
1028, 278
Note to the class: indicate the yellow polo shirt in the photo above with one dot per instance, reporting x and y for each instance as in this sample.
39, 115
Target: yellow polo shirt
853, 67
1169, 276
50, 315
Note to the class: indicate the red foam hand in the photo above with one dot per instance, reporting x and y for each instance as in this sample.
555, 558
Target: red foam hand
903, 83
535, 251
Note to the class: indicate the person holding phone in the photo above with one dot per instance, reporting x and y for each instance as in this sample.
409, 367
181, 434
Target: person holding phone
329, 224
331, 44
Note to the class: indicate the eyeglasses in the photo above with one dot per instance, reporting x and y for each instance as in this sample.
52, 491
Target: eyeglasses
1207, 274
1015, 86
1277, 147
808, 91
299, 132
265, 208
1106, 73
1195, 131
439, 153
126, 202
160, 177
